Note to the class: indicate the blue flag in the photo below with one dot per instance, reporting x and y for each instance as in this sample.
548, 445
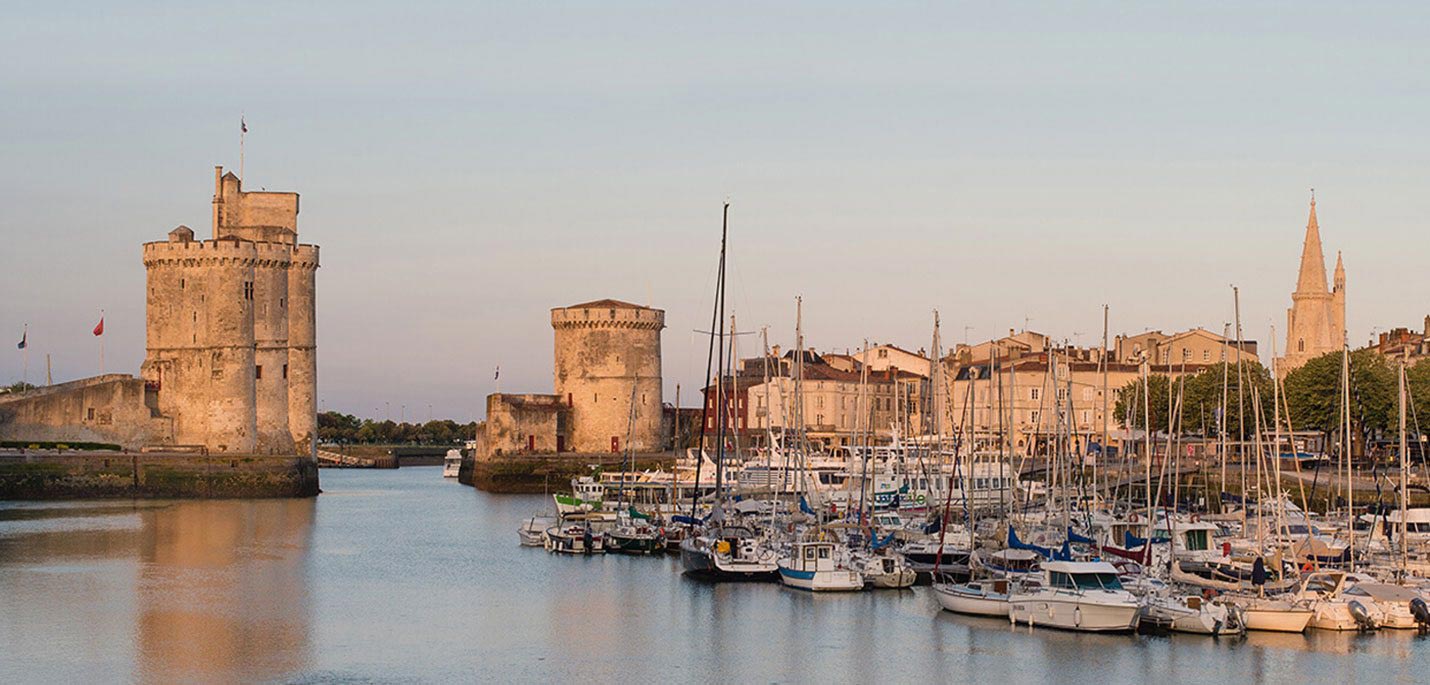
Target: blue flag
23, 337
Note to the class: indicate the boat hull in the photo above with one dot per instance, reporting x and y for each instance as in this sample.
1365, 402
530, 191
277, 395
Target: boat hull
1277, 620
974, 603
1073, 613
842, 580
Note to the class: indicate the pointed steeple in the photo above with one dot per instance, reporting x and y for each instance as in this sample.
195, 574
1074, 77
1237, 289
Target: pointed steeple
1339, 279
1313, 264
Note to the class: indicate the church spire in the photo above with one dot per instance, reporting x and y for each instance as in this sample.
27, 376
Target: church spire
1313, 264
1340, 276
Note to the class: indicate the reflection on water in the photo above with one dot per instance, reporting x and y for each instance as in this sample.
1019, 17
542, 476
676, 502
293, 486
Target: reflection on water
401, 575
173, 591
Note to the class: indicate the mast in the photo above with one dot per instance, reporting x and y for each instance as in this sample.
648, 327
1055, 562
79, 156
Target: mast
1350, 466
1221, 418
705, 404
1105, 419
1404, 470
1240, 405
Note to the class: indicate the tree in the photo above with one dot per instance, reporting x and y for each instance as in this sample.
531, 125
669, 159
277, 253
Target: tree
1201, 394
1313, 394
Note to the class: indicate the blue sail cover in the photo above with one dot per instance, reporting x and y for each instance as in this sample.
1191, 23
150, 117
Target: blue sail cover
681, 518
1131, 541
1015, 543
804, 506
1079, 539
934, 527
880, 544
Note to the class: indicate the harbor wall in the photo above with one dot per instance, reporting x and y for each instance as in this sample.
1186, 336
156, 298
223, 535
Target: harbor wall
535, 474
55, 474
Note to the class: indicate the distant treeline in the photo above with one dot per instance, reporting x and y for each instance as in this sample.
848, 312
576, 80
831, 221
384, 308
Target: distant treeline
339, 428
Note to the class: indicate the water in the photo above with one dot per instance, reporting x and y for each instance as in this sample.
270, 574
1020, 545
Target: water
404, 576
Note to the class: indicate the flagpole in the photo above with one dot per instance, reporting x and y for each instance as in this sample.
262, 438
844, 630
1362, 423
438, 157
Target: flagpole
242, 132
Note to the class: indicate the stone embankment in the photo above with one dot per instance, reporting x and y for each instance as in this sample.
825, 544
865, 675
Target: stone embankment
532, 473
64, 474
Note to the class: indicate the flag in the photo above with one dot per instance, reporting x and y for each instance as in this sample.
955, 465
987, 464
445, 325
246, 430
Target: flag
242, 125
99, 328
498, 374
23, 338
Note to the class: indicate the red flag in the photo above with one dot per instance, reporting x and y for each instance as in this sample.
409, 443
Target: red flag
99, 329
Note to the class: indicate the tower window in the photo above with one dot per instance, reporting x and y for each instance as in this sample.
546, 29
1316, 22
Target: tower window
1301, 345
248, 290
285, 371
181, 284
258, 371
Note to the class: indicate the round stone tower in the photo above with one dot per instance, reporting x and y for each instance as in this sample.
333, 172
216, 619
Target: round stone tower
303, 350
200, 339
608, 352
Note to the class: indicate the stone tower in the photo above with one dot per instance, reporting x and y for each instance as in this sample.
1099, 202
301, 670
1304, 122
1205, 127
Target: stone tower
603, 350
230, 327
1316, 321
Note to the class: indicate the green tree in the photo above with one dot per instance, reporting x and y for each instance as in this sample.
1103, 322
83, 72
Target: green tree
1313, 394
1201, 397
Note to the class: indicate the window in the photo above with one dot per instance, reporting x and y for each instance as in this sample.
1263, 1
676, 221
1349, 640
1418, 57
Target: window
90, 414
1186, 355
258, 371
1086, 394
1301, 345
1034, 393
1206, 355
182, 283
248, 290
285, 371
1034, 415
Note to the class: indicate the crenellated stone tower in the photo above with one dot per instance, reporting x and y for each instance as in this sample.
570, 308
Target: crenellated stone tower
604, 349
231, 339
1316, 321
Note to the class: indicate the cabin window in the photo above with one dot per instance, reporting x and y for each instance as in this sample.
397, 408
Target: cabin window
809, 553
823, 552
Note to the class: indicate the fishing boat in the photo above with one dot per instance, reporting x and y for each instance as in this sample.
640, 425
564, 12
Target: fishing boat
1084, 596
817, 567
728, 553
452, 464
976, 597
635, 535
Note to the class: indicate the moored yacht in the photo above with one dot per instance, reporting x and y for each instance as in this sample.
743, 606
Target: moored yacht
819, 567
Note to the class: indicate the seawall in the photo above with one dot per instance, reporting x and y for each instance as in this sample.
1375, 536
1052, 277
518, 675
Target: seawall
532, 473
50, 474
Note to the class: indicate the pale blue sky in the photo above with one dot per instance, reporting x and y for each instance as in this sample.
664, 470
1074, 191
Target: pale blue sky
467, 166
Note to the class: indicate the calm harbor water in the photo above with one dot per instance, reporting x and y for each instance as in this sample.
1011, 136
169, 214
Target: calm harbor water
404, 576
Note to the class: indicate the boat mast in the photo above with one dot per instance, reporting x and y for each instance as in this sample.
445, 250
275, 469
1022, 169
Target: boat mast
705, 403
1096, 493
720, 369
1404, 470
1221, 418
1350, 467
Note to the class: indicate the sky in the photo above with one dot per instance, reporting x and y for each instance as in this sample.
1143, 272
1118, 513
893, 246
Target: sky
467, 166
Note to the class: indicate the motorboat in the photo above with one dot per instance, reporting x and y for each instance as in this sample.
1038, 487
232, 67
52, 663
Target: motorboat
884, 570
976, 597
1075, 595
1195, 614
1323, 593
819, 567
635, 537
452, 464
1395, 604
574, 538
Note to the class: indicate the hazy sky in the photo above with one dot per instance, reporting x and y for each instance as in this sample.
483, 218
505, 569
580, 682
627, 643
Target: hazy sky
467, 166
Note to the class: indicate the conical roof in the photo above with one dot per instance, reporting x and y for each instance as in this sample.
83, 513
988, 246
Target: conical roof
1312, 278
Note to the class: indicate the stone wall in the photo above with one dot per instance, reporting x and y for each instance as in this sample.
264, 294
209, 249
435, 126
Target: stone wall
73, 475
521, 425
115, 409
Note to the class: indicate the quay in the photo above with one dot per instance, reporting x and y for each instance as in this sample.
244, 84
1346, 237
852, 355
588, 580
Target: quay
80, 474
539, 473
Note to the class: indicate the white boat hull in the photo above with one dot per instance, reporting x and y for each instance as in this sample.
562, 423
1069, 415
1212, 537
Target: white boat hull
975, 604
842, 580
1276, 620
1073, 612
